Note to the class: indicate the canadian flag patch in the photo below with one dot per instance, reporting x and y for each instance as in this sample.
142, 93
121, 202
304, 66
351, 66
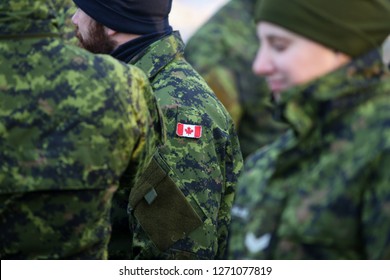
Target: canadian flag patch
189, 130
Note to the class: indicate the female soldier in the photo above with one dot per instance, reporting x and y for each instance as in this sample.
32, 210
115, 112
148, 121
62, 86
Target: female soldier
322, 190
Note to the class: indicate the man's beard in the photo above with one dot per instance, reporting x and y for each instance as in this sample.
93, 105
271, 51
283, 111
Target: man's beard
98, 41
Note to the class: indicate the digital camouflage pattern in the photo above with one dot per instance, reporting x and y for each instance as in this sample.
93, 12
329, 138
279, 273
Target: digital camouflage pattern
68, 30
322, 190
70, 124
205, 170
222, 51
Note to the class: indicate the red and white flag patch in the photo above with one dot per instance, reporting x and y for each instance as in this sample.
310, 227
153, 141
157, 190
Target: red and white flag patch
189, 130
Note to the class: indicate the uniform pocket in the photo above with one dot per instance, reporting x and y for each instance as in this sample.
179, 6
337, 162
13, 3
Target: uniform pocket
161, 208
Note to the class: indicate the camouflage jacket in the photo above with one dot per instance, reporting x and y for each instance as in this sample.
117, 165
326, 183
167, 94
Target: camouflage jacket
322, 190
70, 123
185, 214
222, 51
68, 29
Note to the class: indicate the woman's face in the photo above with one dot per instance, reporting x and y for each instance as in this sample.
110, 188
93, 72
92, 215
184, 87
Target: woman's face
287, 59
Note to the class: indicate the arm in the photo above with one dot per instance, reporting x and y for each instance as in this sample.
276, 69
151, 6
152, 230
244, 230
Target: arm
233, 165
376, 211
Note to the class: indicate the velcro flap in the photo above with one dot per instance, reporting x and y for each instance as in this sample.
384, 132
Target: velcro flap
162, 209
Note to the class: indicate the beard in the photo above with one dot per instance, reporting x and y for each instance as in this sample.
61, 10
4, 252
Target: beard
97, 41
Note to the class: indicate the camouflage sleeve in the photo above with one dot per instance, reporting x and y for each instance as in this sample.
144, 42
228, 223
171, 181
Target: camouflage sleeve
120, 246
234, 165
149, 127
223, 82
376, 212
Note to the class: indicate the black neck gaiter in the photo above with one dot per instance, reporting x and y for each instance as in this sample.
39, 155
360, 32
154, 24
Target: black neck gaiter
127, 51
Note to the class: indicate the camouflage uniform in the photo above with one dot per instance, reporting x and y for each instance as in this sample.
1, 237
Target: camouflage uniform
322, 190
222, 51
68, 29
70, 124
190, 220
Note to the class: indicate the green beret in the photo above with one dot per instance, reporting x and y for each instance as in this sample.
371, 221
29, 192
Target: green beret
352, 27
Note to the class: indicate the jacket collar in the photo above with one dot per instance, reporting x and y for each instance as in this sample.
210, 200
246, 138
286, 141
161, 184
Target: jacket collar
159, 54
127, 51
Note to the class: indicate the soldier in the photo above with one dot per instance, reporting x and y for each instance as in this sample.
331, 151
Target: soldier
70, 124
322, 190
222, 50
185, 215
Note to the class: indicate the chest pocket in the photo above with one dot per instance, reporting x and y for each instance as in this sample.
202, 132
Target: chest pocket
161, 208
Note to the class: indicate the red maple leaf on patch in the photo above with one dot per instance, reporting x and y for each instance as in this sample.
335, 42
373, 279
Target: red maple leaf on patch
189, 131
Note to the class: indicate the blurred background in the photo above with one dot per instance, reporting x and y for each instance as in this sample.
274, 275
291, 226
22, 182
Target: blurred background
187, 15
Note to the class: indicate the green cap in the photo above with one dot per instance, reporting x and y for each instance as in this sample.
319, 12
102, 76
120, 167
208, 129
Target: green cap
350, 26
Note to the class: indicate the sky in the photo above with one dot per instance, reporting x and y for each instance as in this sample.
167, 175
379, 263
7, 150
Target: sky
187, 15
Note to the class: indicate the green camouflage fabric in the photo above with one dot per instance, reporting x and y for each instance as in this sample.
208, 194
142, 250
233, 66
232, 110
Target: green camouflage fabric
322, 190
71, 123
68, 29
222, 51
205, 169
